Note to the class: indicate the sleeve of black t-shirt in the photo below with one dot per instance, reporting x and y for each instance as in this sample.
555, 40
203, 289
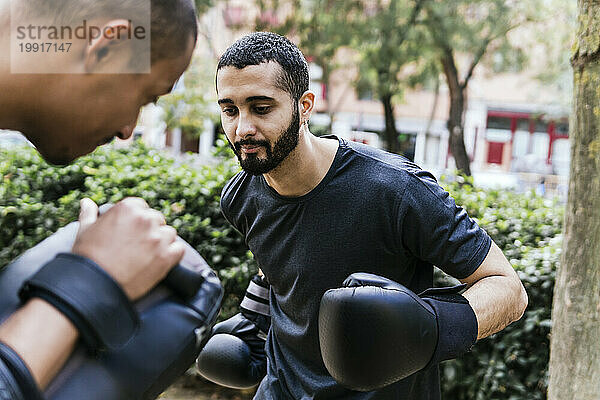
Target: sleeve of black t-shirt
431, 227
225, 203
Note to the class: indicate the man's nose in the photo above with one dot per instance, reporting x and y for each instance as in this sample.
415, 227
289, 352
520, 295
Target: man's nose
245, 128
126, 132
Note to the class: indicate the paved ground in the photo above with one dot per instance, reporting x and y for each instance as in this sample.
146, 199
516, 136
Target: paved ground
195, 388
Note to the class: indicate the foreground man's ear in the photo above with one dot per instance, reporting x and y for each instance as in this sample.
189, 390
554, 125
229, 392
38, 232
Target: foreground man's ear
106, 50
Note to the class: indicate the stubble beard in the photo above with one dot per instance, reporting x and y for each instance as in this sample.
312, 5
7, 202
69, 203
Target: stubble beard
284, 145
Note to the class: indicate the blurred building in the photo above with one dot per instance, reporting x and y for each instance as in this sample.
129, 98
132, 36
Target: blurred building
516, 129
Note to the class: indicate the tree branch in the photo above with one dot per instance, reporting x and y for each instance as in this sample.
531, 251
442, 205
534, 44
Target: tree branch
476, 59
482, 50
432, 19
411, 21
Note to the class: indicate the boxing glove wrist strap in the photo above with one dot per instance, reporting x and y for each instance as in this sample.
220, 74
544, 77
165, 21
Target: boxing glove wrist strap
26, 385
257, 297
255, 305
88, 296
457, 323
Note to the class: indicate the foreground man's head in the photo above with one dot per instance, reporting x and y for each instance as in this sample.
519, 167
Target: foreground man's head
113, 61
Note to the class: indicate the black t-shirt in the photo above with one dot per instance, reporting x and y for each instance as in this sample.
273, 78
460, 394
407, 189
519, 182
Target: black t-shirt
373, 212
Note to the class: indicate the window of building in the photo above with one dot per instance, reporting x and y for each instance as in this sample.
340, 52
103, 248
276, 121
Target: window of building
316, 84
365, 94
498, 123
317, 89
562, 128
541, 126
523, 124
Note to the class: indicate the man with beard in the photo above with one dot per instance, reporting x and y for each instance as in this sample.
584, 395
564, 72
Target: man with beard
314, 210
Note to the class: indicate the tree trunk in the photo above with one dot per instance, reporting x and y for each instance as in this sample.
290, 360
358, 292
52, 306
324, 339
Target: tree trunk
325, 79
455, 122
575, 341
391, 134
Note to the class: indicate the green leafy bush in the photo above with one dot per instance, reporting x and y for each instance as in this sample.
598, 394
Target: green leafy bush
512, 364
36, 199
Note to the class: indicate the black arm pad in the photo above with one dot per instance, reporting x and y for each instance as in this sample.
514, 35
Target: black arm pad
173, 327
457, 323
235, 355
9, 388
88, 296
16, 382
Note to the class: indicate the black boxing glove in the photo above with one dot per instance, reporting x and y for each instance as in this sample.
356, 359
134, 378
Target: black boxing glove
235, 356
374, 331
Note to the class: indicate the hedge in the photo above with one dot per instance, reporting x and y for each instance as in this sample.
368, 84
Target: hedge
36, 199
512, 364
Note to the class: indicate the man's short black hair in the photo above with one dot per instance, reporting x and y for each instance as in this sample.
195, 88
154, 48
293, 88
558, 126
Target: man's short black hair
259, 47
172, 22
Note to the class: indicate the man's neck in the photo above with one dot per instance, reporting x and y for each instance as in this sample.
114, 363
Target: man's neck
305, 167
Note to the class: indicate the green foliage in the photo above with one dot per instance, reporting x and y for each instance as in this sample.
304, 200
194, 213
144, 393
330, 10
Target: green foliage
193, 100
320, 130
319, 27
322, 28
555, 34
387, 42
36, 199
512, 364
470, 32
475, 27
203, 5
390, 53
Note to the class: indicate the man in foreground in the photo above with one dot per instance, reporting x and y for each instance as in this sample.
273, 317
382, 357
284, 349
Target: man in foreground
66, 115
319, 211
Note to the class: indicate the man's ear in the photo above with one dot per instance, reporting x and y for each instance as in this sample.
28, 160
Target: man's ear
307, 105
104, 45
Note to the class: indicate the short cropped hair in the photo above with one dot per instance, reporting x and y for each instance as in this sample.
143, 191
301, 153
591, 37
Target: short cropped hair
260, 47
173, 22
